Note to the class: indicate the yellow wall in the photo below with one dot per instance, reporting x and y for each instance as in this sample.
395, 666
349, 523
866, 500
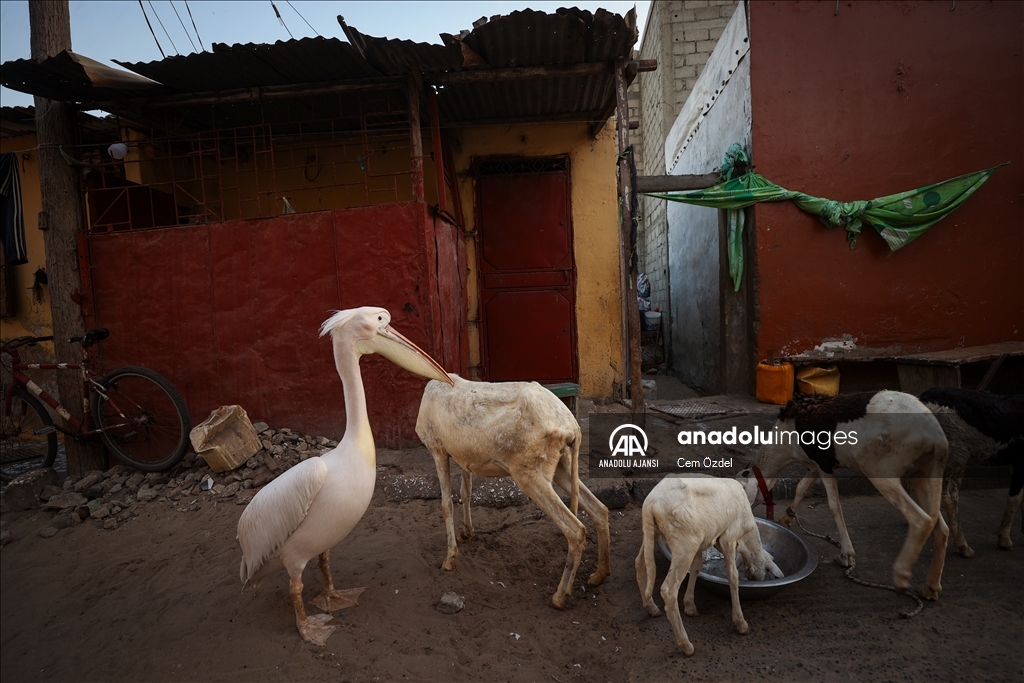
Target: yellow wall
592, 175
31, 317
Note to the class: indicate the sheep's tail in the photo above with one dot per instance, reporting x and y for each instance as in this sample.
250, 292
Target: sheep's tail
574, 494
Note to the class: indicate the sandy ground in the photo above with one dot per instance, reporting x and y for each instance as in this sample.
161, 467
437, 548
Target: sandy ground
159, 599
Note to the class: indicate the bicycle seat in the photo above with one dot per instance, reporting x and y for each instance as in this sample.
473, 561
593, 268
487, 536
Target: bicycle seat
91, 337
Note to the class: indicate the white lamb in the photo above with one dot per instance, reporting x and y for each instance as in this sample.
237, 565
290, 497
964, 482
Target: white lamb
692, 514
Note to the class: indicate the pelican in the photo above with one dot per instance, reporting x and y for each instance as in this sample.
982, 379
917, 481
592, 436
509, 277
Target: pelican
313, 506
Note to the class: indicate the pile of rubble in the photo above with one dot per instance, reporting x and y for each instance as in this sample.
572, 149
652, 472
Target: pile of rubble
117, 495
112, 498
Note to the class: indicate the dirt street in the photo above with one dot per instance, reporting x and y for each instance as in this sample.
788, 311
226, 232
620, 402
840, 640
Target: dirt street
159, 599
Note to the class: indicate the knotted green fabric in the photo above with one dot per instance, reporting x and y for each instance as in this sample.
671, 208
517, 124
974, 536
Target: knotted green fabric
898, 218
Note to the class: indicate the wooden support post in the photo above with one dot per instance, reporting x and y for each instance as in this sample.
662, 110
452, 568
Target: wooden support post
413, 92
438, 149
60, 190
736, 345
631, 312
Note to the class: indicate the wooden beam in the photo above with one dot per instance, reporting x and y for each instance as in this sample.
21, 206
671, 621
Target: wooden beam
520, 73
270, 92
435, 144
675, 183
577, 116
630, 310
63, 215
413, 92
629, 72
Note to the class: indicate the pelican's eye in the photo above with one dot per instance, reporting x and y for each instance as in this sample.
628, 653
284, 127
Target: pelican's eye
380, 318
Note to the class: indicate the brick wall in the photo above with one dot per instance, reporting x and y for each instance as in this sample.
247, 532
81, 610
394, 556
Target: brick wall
681, 35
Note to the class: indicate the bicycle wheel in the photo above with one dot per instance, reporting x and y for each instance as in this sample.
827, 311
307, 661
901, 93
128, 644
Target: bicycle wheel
28, 439
144, 418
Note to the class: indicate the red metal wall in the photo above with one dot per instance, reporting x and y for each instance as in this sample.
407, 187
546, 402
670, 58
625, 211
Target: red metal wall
230, 312
881, 98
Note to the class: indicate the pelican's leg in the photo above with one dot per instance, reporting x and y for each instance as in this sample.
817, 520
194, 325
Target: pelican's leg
332, 600
312, 629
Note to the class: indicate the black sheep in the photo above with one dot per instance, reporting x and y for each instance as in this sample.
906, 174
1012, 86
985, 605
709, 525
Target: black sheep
985, 428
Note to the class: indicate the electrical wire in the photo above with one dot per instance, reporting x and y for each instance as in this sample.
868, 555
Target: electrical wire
303, 18
281, 20
160, 21
151, 30
194, 26
183, 27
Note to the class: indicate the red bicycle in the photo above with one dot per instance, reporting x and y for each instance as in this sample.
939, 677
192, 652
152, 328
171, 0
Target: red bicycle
139, 415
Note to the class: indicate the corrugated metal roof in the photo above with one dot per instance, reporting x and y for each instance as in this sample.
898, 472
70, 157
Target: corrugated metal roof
525, 38
307, 60
15, 121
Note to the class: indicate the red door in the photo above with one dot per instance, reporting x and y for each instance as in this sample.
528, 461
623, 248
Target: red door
527, 273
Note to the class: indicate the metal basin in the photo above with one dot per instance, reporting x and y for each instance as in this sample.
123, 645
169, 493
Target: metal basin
790, 552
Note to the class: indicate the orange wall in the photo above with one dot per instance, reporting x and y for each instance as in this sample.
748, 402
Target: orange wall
881, 98
31, 317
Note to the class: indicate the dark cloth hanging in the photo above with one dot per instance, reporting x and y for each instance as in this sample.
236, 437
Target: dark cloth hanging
12, 219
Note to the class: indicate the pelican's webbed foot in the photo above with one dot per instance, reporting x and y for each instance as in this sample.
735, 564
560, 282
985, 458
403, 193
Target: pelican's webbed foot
332, 600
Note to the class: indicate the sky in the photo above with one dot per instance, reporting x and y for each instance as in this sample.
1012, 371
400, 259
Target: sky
116, 29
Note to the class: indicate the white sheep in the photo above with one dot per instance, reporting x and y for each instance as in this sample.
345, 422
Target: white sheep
519, 429
693, 513
886, 436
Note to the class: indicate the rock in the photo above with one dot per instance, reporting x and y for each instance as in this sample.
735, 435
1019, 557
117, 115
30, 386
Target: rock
155, 479
254, 462
116, 488
451, 603
110, 523
614, 497
65, 500
93, 492
400, 488
115, 471
134, 481
23, 492
87, 481
5, 537
272, 463
262, 479
302, 447
260, 427
48, 532
244, 497
146, 494
231, 489
100, 512
50, 491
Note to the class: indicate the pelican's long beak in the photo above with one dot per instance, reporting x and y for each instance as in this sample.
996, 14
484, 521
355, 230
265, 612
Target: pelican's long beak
404, 353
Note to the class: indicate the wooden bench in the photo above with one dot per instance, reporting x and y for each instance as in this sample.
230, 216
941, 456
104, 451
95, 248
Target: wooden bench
567, 391
921, 371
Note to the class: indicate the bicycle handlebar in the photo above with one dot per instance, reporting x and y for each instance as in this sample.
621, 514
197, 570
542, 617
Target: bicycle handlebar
90, 337
86, 340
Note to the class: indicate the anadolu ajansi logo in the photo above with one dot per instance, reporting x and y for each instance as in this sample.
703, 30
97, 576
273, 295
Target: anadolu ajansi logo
628, 444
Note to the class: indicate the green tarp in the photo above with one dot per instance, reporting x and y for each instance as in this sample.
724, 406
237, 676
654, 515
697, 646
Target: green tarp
898, 218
